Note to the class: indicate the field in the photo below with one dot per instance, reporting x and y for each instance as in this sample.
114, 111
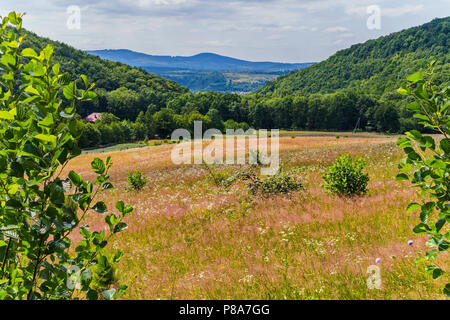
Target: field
190, 239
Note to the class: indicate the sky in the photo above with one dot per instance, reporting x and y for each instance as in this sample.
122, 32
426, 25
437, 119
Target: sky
255, 30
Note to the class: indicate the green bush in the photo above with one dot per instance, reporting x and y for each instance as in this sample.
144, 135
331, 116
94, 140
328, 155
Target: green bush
282, 183
136, 180
345, 177
219, 178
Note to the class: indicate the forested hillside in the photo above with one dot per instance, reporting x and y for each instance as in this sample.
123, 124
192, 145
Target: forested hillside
354, 89
122, 90
377, 66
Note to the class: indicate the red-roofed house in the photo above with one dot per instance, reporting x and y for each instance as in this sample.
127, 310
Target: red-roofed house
93, 117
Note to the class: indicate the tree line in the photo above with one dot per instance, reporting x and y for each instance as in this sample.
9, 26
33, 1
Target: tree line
341, 111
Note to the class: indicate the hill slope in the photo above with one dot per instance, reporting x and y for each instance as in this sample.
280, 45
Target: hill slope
109, 77
377, 65
205, 71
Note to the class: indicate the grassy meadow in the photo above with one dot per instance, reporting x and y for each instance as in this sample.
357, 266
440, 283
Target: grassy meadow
190, 239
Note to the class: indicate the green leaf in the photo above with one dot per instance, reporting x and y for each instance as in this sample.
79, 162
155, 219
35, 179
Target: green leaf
402, 177
12, 16
102, 261
118, 256
421, 228
47, 138
440, 224
127, 210
98, 166
414, 134
437, 273
120, 205
6, 115
29, 53
70, 91
111, 220
55, 69
445, 145
9, 60
403, 91
413, 106
412, 207
100, 207
12, 203
447, 290
32, 91
85, 81
107, 186
421, 117
415, 78
121, 291
75, 178
428, 207
120, 227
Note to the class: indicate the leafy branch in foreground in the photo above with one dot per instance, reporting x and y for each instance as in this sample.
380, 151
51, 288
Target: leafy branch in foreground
429, 161
39, 209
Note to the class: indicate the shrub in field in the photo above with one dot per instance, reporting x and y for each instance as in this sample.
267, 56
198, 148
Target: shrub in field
136, 181
345, 177
429, 171
281, 183
39, 208
219, 178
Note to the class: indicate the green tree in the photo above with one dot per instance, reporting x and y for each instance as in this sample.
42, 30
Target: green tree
427, 166
216, 119
164, 122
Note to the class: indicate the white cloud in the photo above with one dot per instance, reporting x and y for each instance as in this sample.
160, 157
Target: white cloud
401, 11
283, 30
336, 29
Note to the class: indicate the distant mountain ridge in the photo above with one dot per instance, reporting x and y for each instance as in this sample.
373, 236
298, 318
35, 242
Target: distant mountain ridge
205, 71
202, 61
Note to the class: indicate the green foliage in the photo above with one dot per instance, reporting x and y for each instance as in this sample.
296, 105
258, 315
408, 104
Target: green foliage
40, 209
345, 177
233, 125
219, 178
104, 273
427, 165
350, 89
136, 181
280, 183
376, 65
122, 90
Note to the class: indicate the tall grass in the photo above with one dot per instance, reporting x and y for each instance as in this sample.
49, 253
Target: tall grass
191, 239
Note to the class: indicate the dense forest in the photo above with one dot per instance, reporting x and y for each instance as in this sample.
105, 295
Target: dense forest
121, 89
355, 88
377, 66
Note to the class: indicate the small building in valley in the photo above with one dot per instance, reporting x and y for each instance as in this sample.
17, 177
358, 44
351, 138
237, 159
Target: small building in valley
93, 117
